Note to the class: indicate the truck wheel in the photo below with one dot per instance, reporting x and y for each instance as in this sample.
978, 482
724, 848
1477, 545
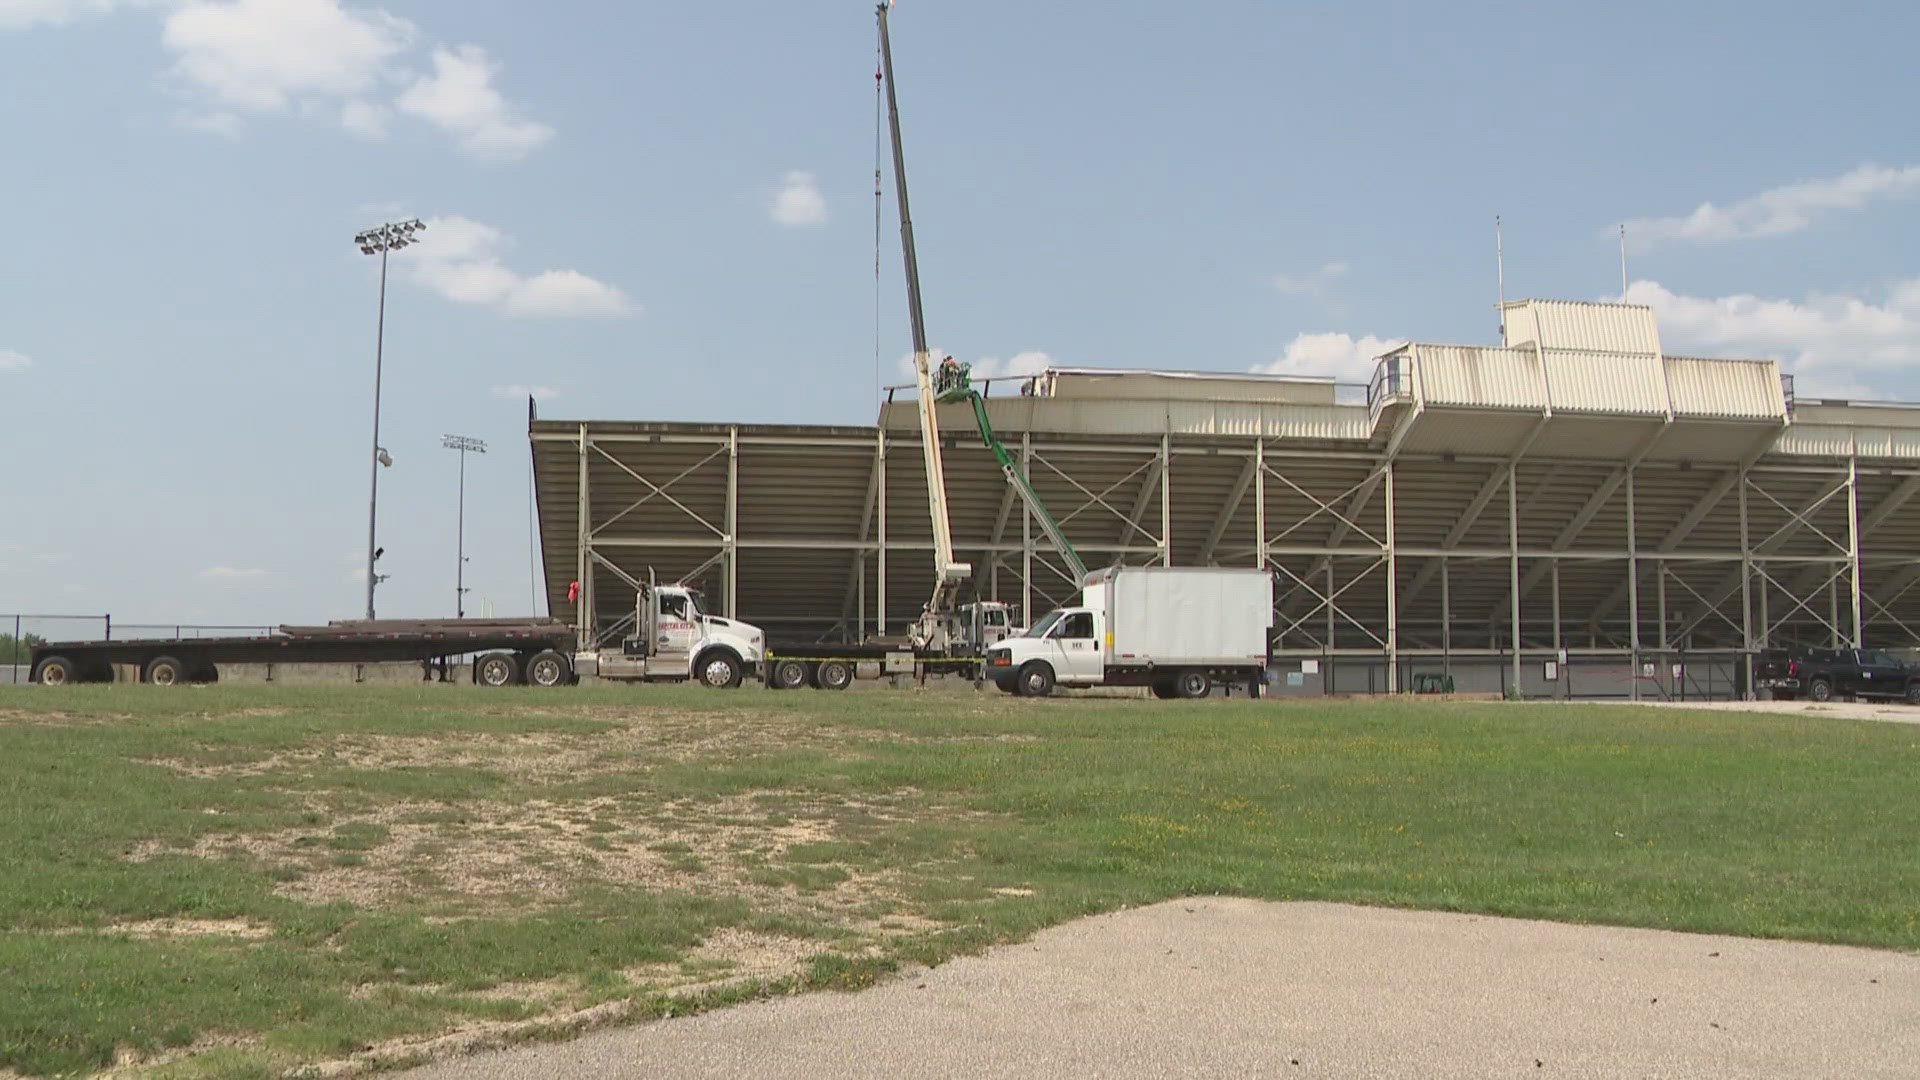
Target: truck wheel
1163, 689
1820, 690
57, 671
497, 669
548, 668
1036, 679
790, 674
1192, 684
720, 670
1913, 693
165, 671
833, 675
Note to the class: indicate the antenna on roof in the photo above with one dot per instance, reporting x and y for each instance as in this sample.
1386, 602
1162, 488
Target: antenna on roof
1500, 268
1623, 262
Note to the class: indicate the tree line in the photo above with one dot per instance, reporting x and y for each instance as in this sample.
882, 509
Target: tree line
17, 650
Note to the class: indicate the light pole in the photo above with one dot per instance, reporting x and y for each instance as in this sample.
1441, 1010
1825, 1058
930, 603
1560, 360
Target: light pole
389, 237
462, 443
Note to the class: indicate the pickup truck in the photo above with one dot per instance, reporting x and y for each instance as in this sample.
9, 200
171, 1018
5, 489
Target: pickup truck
1823, 674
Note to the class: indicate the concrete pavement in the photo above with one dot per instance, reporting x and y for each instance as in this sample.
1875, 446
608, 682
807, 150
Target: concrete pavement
1227, 987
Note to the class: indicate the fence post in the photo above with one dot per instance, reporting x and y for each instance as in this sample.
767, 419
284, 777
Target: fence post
108, 619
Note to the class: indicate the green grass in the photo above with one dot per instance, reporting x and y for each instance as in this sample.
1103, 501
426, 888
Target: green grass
383, 863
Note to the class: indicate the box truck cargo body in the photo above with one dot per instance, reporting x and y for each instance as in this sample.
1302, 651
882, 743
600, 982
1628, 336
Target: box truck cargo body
1178, 630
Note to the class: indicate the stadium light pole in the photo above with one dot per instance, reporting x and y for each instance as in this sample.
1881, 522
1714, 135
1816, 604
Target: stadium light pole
383, 239
464, 444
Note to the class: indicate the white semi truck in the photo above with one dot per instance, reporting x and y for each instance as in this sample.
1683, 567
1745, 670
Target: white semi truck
673, 639
1178, 630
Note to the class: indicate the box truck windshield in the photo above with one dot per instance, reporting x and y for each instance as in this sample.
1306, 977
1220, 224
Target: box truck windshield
1045, 624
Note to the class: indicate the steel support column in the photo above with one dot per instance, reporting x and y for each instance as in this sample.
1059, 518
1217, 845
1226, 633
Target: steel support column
1746, 594
1393, 611
1260, 502
1853, 542
1513, 568
733, 520
1026, 535
1166, 510
1633, 594
583, 562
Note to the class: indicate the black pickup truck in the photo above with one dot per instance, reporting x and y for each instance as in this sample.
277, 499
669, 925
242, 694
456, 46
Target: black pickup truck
1824, 674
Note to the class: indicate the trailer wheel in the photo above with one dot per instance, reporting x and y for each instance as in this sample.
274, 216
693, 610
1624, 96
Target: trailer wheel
719, 670
790, 674
1193, 683
100, 672
497, 669
833, 675
206, 673
165, 671
57, 671
548, 668
1036, 679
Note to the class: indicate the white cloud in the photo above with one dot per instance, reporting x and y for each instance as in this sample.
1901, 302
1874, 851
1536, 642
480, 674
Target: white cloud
11, 361
229, 575
798, 202
263, 55
1342, 357
459, 97
365, 119
1833, 342
516, 392
224, 124
1313, 283
1785, 209
460, 259
18, 14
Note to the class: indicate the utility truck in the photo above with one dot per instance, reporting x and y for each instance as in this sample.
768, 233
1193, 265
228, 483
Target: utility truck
1178, 630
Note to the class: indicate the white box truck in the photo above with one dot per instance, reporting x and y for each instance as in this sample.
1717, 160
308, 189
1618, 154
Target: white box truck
1178, 630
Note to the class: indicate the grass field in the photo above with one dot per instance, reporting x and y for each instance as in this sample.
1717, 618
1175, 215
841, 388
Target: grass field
234, 881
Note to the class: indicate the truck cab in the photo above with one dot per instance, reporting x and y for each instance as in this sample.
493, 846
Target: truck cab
1064, 648
674, 638
982, 624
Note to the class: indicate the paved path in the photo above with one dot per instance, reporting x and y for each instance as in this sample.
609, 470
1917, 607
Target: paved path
1219, 987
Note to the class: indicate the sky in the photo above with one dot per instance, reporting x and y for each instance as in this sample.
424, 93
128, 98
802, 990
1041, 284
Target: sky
665, 211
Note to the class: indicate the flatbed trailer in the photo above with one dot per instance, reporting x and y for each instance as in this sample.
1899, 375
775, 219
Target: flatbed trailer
505, 651
834, 666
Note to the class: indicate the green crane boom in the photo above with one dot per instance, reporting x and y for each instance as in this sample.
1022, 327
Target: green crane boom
954, 385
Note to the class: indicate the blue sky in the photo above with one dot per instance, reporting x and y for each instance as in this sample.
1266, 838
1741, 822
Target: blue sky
665, 211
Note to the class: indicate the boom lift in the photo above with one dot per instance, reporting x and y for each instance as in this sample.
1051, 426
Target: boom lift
935, 628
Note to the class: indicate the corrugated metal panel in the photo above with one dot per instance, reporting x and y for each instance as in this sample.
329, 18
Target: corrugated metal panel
1588, 327
1480, 377
1820, 440
1080, 383
1340, 422
1517, 320
1725, 388
1607, 382
1902, 444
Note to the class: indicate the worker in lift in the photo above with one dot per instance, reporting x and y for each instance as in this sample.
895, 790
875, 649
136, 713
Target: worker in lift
950, 374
